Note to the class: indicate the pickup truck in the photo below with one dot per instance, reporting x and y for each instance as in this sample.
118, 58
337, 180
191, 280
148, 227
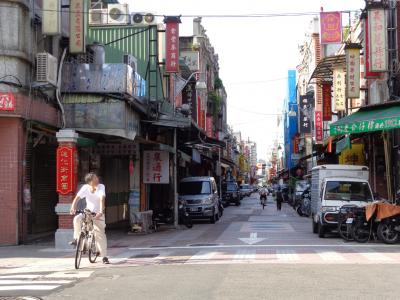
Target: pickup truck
333, 186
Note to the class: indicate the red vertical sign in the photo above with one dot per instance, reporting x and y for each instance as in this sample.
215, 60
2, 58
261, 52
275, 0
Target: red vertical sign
7, 101
319, 131
331, 27
209, 126
66, 170
172, 46
326, 102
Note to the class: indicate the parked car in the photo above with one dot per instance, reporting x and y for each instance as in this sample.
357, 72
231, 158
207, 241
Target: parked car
230, 193
200, 198
245, 190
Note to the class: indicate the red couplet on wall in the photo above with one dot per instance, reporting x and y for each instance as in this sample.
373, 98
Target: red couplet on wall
7, 101
319, 133
326, 102
66, 170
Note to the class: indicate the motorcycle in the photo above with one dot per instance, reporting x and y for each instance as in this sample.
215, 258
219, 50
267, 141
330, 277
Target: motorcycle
303, 207
184, 217
363, 230
162, 217
263, 198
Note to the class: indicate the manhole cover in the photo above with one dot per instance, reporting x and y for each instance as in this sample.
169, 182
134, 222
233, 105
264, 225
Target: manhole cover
203, 245
145, 255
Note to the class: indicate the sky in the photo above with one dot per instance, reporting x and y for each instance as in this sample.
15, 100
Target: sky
254, 53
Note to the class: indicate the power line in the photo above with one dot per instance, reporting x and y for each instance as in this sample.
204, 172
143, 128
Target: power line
249, 15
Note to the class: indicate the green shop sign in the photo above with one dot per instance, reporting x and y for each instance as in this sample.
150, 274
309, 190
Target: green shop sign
365, 126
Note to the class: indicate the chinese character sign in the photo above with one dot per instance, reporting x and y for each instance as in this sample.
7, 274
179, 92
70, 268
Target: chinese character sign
326, 102
172, 47
368, 73
66, 170
353, 72
156, 167
331, 27
319, 130
377, 31
339, 89
77, 26
7, 102
305, 113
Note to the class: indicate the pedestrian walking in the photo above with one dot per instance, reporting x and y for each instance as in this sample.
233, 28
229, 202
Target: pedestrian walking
279, 199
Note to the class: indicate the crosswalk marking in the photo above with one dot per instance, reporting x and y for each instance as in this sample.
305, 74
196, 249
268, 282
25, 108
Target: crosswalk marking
287, 255
28, 276
376, 257
245, 254
18, 281
28, 287
202, 255
331, 256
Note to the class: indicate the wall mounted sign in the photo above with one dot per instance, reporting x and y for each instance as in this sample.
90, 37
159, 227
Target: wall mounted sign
305, 113
172, 45
339, 89
65, 173
326, 102
155, 167
377, 30
353, 71
319, 127
368, 73
191, 59
77, 42
7, 102
331, 27
51, 17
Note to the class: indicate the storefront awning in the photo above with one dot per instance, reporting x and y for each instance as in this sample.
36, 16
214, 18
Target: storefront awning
324, 69
369, 119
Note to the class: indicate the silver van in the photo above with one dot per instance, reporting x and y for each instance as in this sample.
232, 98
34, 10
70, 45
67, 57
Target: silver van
199, 195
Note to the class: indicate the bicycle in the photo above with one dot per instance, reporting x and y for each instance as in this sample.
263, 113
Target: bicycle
345, 222
86, 241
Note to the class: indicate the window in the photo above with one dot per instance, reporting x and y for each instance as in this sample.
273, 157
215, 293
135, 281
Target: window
348, 191
195, 188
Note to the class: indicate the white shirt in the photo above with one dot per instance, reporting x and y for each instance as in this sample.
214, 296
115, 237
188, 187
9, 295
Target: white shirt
93, 200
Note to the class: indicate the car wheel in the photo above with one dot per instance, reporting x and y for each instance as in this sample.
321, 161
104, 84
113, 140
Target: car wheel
213, 219
321, 230
237, 203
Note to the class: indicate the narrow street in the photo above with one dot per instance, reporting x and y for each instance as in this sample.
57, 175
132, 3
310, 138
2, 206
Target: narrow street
248, 254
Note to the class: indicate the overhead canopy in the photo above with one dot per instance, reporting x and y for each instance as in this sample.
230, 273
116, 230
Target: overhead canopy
368, 119
324, 69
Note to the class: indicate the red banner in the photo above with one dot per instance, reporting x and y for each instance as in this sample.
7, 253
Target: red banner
66, 170
319, 130
326, 102
7, 102
209, 126
331, 27
172, 47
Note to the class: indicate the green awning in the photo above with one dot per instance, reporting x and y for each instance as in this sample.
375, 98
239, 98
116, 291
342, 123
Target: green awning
382, 117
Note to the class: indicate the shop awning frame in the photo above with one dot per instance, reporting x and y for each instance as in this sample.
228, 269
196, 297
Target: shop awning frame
369, 119
324, 70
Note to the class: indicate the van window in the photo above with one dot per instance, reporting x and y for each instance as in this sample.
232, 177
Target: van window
348, 191
195, 188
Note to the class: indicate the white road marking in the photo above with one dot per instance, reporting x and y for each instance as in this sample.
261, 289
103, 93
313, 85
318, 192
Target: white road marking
15, 281
330, 256
202, 255
28, 287
287, 255
245, 254
27, 276
375, 256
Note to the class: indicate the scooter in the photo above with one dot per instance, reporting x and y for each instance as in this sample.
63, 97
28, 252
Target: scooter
162, 217
184, 217
263, 198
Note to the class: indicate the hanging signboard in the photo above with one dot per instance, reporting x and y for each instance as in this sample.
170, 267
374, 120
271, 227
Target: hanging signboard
368, 73
339, 89
7, 102
353, 71
377, 29
77, 42
319, 127
65, 173
209, 125
326, 102
51, 17
305, 113
331, 27
156, 167
191, 59
172, 45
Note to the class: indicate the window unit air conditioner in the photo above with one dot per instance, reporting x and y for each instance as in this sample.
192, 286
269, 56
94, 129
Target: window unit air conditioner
143, 19
118, 14
130, 60
46, 68
379, 92
98, 16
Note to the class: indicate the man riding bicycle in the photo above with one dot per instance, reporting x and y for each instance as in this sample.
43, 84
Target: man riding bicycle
95, 194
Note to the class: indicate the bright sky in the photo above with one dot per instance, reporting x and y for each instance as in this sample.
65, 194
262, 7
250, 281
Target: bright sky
254, 53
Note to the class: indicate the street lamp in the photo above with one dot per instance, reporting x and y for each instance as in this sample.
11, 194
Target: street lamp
201, 86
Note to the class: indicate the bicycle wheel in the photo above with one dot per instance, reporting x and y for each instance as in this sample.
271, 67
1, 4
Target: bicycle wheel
93, 253
345, 230
361, 232
80, 247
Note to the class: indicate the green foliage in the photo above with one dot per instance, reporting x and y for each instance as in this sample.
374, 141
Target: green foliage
216, 101
218, 83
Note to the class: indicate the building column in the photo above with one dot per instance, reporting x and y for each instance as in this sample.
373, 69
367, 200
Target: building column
64, 234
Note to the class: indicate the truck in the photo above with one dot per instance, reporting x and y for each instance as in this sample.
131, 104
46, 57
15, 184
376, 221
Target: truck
333, 186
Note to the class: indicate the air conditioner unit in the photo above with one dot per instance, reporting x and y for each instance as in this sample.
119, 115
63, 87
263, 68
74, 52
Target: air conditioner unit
118, 14
130, 60
46, 68
143, 19
98, 16
379, 92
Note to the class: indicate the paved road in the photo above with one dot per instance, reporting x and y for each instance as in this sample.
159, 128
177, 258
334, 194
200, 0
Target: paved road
249, 254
